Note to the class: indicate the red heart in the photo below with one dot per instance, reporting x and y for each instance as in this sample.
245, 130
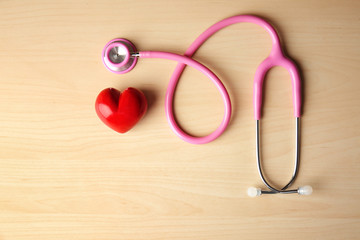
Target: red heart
121, 111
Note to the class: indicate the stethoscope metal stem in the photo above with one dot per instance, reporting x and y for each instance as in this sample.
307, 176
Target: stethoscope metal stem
283, 190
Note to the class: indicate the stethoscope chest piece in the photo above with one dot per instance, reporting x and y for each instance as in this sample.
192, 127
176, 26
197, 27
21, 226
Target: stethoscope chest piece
117, 56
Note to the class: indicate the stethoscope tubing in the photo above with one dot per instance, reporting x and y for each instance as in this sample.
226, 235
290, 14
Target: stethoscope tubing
170, 96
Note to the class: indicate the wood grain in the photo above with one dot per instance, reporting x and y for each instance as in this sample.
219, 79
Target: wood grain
64, 175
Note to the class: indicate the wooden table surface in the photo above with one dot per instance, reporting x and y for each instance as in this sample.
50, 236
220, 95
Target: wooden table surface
65, 175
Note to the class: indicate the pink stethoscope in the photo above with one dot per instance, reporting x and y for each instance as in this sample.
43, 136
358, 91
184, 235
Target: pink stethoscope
120, 56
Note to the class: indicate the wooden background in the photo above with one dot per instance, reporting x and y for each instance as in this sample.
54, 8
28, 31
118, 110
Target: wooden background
65, 175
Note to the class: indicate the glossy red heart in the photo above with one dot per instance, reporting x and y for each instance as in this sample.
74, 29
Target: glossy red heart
121, 111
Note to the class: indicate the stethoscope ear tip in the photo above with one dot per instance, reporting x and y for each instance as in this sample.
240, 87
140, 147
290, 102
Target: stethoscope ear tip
305, 190
253, 192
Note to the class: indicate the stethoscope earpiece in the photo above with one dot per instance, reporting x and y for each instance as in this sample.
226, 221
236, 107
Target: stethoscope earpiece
303, 190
